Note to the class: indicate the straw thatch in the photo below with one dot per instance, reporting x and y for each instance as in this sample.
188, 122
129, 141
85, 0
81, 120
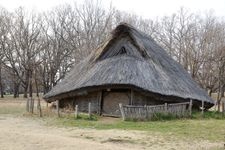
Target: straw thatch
132, 58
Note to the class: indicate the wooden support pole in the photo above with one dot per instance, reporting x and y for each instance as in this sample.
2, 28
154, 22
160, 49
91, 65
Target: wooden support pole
131, 96
89, 110
100, 103
190, 108
122, 111
203, 108
76, 111
57, 107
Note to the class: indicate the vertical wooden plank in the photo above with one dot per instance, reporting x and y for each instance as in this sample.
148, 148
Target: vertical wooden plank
190, 107
203, 108
146, 112
76, 111
57, 107
131, 96
166, 108
89, 110
122, 111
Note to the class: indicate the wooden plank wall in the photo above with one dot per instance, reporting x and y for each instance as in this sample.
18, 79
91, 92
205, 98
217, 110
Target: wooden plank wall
148, 112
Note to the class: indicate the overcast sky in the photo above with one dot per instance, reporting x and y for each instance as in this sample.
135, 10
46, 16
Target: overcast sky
145, 8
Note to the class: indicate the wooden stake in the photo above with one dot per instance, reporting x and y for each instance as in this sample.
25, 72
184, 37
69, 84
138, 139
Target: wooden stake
190, 108
203, 108
89, 110
121, 110
76, 111
57, 107
166, 108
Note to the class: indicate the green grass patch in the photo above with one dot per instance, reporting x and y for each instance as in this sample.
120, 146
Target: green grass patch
212, 129
208, 115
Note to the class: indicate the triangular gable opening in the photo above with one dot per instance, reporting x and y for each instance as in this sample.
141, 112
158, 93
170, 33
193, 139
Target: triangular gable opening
123, 46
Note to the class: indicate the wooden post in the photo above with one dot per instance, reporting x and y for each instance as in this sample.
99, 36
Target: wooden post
100, 103
190, 108
203, 108
166, 108
76, 111
121, 110
57, 107
146, 111
89, 110
131, 96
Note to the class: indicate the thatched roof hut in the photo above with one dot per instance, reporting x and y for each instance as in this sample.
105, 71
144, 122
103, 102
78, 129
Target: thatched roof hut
130, 60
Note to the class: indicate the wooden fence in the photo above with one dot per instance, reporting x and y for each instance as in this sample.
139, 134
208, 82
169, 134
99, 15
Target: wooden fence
151, 111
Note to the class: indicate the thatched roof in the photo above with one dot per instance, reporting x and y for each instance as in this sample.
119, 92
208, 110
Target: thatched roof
130, 57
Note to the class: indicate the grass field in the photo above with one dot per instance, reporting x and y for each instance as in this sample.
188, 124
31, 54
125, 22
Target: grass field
208, 130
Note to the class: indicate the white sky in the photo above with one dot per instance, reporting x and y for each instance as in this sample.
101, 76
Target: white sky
145, 8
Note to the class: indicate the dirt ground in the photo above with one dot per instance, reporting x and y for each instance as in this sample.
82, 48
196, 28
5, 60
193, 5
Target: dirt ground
24, 133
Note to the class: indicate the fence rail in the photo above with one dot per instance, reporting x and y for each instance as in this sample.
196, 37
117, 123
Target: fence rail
151, 111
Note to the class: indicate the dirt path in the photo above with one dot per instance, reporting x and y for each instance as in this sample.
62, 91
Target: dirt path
22, 133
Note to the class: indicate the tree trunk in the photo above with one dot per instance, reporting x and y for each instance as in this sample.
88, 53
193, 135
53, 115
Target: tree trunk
16, 90
25, 93
210, 92
1, 85
30, 90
